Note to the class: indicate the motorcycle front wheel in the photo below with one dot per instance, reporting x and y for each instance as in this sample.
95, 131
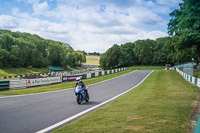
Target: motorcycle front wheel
79, 99
87, 97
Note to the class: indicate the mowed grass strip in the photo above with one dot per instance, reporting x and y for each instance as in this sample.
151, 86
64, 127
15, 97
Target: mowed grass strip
66, 85
163, 103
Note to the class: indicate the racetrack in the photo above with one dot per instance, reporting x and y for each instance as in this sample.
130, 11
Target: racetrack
32, 113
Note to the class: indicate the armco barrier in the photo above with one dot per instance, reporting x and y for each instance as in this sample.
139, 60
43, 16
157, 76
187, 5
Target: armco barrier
4, 85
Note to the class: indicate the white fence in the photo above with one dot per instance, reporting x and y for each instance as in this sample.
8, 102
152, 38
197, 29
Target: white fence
189, 78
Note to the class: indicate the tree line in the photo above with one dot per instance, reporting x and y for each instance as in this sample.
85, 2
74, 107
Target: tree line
23, 49
181, 46
141, 52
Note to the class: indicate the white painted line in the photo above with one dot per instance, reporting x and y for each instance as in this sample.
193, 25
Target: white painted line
63, 89
88, 110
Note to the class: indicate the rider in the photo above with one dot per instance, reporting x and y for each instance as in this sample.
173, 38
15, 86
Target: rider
81, 83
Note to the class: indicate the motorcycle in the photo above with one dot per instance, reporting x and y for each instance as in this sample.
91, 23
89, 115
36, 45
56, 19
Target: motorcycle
81, 95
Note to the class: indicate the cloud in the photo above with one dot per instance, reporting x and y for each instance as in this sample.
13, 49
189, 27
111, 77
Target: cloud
8, 22
171, 3
40, 8
88, 25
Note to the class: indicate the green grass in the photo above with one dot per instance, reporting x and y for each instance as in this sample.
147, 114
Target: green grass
66, 85
163, 103
4, 72
196, 74
92, 60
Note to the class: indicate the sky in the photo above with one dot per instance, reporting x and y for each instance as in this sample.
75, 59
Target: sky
89, 25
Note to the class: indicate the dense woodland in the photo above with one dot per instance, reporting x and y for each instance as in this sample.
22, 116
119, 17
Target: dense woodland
23, 50
182, 45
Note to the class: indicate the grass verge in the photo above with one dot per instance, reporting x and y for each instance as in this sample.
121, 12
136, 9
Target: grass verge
66, 85
197, 74
4, 72
162, 103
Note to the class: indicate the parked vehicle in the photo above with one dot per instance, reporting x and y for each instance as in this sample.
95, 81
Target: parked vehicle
81, 95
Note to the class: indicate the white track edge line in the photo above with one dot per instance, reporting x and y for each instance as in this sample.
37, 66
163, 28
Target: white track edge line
11, 96
88, 110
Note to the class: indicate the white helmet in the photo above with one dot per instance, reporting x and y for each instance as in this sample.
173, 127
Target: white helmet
78, 79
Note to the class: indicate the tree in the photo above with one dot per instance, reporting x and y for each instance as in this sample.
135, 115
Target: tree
144, 51
24, 49
113, 55
6, 41
4, 58
79, 57
185, 26
162, 52
103, 61
15, 60
127, 55
110, 59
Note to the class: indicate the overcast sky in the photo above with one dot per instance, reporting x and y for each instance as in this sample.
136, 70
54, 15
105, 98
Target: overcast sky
90, 25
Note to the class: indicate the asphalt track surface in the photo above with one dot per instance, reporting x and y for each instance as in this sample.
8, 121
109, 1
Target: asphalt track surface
32, 113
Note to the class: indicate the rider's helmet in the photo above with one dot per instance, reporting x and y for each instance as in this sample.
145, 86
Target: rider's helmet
78, 79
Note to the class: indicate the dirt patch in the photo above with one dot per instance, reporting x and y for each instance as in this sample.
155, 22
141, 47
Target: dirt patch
135, 128
134, 118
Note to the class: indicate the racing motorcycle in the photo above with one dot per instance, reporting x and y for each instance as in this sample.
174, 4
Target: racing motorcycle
81, 95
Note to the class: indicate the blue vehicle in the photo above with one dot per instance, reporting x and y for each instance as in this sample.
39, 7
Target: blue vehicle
81, 95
